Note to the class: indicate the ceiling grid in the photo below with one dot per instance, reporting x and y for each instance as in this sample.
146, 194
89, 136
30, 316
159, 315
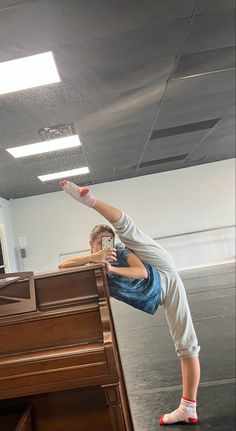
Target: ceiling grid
148, 86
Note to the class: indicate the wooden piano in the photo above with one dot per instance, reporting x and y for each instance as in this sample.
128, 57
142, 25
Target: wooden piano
60, 367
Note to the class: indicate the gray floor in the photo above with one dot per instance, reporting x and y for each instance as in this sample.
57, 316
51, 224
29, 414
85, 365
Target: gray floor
151, 367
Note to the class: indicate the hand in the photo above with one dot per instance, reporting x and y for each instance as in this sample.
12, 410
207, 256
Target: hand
108, 267
103, 256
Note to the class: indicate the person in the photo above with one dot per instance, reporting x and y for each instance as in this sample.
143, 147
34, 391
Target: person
143, 274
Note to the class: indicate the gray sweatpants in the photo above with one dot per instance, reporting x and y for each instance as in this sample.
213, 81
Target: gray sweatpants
174, 298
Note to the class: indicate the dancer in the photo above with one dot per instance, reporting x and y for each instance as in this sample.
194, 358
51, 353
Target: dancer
143, 274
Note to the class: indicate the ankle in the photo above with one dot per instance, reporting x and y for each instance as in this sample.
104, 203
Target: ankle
188, 399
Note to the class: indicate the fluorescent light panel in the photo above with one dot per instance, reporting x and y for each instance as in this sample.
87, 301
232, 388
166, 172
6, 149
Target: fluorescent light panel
45, 146
28, 72
64, 174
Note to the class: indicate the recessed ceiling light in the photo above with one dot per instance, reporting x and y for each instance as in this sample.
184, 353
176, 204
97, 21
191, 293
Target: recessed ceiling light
45, 146
64, 174
28, 72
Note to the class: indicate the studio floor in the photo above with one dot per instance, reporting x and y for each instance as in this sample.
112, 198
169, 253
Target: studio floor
152, 370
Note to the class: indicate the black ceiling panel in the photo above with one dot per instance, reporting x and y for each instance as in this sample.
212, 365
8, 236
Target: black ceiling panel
165, 160
185, 128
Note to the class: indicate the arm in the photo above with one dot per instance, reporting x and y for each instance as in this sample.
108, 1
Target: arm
136, 268
98, 257
76, 261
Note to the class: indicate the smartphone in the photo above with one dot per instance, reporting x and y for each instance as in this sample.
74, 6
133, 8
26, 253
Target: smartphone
108, 242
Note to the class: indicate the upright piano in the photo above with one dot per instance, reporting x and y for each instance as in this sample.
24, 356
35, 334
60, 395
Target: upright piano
60, 367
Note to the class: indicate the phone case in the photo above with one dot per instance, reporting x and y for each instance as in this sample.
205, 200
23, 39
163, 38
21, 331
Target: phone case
107, 242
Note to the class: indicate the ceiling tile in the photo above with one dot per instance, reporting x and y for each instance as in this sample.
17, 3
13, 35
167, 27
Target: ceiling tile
205, 61
218, 145
120, 50
34, 98
23, 121
216, 30
200, 85
99, 128
114, 156
193, 109
153, 72
11, 3
59, 23
87, 114
208, 6
172, 146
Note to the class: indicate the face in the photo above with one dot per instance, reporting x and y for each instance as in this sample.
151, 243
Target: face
96, 245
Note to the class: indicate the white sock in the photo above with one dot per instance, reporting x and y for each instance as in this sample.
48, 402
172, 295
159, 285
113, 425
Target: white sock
186, 412
81, 194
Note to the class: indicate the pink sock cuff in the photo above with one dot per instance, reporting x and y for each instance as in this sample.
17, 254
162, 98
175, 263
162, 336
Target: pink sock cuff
191, 401
84, 192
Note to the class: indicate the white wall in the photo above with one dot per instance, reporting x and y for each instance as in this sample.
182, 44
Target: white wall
168, 203
8, 241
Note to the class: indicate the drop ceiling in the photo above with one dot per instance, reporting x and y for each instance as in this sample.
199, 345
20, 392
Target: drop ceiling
148, 85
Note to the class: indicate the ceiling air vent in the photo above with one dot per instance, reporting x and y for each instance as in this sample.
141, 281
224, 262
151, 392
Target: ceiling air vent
59, 131
165, 160
185, 128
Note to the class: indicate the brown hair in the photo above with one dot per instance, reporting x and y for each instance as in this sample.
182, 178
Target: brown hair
99, 228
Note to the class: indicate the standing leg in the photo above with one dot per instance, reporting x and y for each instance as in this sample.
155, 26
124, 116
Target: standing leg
190, 376
186, 344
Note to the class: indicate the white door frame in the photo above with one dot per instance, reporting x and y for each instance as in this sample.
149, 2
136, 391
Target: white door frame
4, 248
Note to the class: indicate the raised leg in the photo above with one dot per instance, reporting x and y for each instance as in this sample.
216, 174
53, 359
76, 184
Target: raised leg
83, 195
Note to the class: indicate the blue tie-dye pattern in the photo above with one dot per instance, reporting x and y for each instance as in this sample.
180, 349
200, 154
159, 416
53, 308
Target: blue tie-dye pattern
144, 293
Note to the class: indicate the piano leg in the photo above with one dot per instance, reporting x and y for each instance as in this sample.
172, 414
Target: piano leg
113, 400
